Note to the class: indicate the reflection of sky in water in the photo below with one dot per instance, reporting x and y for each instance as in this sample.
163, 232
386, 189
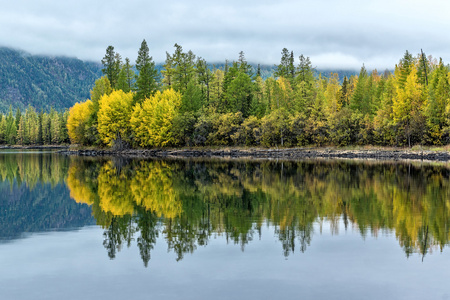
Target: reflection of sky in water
74, 265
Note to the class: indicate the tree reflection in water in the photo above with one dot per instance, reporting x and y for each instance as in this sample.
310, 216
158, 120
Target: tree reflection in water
190, 201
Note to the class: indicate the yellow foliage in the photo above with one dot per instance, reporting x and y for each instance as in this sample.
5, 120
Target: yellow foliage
114, 116
408, 98
152, 188
152, 122
114, 191
332, 94
79, 190
78, 116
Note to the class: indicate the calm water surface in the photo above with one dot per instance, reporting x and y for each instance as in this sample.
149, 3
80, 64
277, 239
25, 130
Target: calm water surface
84, 228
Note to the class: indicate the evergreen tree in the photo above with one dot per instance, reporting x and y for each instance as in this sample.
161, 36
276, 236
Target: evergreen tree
343, 95
423, 69
203, 77
239, 94
147, 78
18, 117
286, 67
439, 95
244, 66
404, 68
180, 69
11, 129
305, 85
40, 139
126, 77
258, 71
2, 130
360, 97
111, 66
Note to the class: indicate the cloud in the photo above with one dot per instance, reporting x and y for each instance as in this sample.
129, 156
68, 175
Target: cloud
342, 34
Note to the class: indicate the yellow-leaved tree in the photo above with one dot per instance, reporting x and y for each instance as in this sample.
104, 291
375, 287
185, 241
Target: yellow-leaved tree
407, 107
114, 117
152, 121
76, 121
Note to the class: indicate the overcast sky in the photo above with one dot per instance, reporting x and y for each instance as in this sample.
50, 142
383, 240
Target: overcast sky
334, 34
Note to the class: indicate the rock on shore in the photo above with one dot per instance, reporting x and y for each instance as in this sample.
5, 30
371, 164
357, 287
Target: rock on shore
291, 153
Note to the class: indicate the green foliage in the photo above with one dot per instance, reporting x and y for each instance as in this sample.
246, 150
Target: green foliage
183, 128
344, 127
286, 67
126, 79
111, 66
224, 129
180, 69
249, 133
274, 128
239, 94
147, 78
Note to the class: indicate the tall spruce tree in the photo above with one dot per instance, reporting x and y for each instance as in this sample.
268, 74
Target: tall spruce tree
111, 65
286, 67
147, 78
126, 77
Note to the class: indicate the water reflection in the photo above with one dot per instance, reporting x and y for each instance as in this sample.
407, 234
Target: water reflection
34, 197
189, 202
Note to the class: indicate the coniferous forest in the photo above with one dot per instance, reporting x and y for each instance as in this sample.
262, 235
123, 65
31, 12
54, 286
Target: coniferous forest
193, 103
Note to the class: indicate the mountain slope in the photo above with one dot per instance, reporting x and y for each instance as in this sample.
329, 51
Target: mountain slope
43, 81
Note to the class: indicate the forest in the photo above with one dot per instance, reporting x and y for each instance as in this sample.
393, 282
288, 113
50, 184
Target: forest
192, 103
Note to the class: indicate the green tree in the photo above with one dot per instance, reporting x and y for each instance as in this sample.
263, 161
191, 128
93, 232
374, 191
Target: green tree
126, 79
360, 97
18, 117
11, 129
286, 67
180, 69
305, 86
244, 66
239, 94
147, 78
203, 77
111, 66
403, 69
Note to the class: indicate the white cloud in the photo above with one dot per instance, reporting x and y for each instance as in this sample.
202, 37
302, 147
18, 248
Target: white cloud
333, 33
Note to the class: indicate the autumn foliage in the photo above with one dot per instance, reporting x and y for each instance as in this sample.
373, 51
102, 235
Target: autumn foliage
195, 105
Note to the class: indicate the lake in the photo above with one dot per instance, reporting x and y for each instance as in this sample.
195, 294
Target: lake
98, 228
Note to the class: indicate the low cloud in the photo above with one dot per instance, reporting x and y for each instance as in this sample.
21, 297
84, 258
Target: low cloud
334, 34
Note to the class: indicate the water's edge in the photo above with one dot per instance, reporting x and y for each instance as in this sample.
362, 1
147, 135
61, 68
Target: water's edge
290, 153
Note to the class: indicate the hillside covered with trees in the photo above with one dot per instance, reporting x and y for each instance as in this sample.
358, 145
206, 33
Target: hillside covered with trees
42, 81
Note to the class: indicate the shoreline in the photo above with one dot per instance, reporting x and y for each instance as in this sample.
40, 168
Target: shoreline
261, 153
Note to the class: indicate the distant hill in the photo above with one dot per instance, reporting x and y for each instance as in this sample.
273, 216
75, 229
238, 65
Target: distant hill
44, 81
